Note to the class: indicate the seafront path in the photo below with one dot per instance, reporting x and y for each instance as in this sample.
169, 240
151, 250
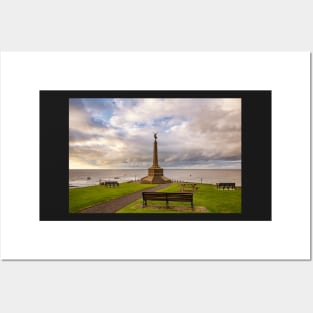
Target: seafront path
116, 204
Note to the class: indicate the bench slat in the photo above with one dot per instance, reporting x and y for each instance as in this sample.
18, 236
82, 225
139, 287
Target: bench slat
167, 196
225, 185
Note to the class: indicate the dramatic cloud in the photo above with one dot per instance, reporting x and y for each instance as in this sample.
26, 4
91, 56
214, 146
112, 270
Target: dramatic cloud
118, 133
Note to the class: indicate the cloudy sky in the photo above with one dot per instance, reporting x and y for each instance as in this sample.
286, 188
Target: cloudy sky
118, 133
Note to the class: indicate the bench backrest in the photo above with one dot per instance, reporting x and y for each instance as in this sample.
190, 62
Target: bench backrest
168, 196
180, 196
154, 195
111, 183
226, 184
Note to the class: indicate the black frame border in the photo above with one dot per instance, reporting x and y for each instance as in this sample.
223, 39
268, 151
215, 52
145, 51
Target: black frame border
256, 154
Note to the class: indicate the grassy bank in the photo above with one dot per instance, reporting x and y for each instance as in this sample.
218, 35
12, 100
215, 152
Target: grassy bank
80, 198
207, 196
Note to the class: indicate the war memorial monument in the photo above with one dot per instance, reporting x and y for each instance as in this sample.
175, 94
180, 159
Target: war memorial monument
155, 172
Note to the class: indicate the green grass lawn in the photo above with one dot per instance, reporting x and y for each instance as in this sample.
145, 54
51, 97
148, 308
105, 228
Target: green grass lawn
215, 201
81, 198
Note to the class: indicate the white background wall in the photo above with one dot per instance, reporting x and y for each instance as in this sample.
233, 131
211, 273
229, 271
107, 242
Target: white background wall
98, 286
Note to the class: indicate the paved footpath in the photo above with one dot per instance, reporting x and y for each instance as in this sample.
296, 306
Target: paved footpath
114, 205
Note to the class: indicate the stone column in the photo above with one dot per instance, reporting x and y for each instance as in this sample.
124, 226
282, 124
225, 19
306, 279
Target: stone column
155, 172
155, 154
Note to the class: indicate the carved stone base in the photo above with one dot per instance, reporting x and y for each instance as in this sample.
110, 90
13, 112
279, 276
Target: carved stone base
155, 180
155, 176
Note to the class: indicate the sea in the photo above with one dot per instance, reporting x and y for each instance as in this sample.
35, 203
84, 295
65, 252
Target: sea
84, 178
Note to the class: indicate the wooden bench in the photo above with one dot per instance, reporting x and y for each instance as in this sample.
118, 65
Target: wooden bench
167, 196
226, 185
111, 184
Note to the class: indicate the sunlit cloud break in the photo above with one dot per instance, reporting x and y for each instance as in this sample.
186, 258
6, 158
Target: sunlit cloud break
106, 133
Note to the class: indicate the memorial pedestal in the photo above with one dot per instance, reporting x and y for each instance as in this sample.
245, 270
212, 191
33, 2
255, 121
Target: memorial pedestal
155, 172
